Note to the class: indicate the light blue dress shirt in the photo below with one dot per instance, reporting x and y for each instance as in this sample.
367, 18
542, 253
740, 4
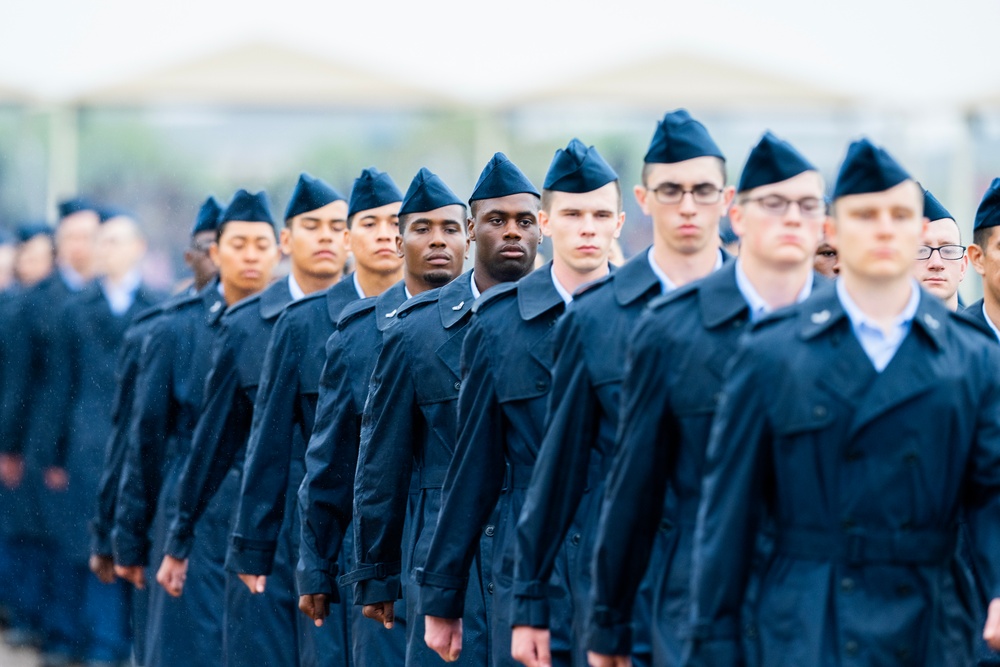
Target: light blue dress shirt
879, 345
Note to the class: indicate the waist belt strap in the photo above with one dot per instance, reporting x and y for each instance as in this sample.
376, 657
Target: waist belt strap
517, 476
918, 547
432, 477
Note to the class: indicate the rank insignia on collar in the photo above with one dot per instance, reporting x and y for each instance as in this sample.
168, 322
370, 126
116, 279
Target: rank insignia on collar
930, 321
391, 313
215, 307
820, 317
459, 306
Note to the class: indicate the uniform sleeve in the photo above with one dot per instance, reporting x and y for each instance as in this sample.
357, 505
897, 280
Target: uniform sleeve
269, 453
17, 379
116, 450
385, 464
559, 478
726, 529
637, 483
221, 430
58, 386
983, 485
472, 485
153, 412
326, 495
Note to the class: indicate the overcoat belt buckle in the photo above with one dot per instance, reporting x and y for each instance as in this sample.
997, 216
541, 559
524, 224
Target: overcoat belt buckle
506, 477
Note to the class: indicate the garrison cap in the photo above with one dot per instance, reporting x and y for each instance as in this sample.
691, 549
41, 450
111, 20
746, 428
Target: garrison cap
247, 207
106, 213
207, 219
372, 189
868, 168
68, 207
988, 213
577, 169
29, 230
501, 178
772, 160
310, 194
933, 209
427, 192
680, 137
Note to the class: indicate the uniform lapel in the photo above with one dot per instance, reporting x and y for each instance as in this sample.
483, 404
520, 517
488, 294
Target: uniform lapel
274, 299
537, 296
454, 303
387, 304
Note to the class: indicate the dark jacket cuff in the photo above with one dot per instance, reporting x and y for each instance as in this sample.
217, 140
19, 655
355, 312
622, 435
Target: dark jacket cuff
100, 542
129, 552
609, 632
250, 556
310, 581
179, 544
530, 611
371, 591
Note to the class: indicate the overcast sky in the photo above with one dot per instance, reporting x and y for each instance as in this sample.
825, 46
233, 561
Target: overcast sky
888, 51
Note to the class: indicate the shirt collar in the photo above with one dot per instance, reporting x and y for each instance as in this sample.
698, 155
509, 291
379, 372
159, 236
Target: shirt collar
294, 288
860, 320
72, 278
668, 284
758, 306
357, 286
563, 294
475, 290
996, 332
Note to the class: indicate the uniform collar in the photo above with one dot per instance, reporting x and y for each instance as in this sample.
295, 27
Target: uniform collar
536, 293
759, 307
294, 288
726, 302
334, 300
387, 303
455, 300
215, 305
274, 299
635, 279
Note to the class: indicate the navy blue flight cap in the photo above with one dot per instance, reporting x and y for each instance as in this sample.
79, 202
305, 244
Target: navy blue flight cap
105, 213
310, 194
501, 178
988, 213
247, 207
868, 168
372, 189
207, 219
578, 169
68, 207
933, 209
680, 137
772, 160
29, 230
427, 192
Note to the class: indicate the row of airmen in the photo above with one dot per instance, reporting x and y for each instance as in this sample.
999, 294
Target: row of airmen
693, 459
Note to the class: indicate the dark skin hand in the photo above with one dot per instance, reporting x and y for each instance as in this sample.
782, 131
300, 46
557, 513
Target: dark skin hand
11, 470
316, 606
383, 612
103, 568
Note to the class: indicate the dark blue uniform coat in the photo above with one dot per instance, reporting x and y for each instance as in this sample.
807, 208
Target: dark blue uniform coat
172, 368
506, 376
567, 485
326, 495
409, 425
850, 466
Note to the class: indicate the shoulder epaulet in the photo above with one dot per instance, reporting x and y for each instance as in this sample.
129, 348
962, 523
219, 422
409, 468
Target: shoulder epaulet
494, 295
355, 310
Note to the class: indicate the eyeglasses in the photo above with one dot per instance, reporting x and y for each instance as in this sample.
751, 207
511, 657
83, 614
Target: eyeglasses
951, 251
703, 194
809, 207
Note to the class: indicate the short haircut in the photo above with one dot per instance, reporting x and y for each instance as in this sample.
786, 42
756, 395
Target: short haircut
982, 237
475, 203
648, 167
547, 197
406, 217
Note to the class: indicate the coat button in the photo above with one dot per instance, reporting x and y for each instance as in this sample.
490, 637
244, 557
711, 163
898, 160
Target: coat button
665, 525
402, 315
489, 530
851, 647
541, 385
903, 653
847, 584
458, 385
904, 590
750, 631
576, 539
489, 588
819, 411
854, 455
